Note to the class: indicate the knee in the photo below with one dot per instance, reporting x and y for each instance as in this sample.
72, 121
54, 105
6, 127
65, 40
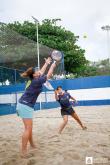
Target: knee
65, 121
28, 129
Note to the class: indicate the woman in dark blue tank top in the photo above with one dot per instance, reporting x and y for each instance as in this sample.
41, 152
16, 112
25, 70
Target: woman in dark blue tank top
63, 97
28, 100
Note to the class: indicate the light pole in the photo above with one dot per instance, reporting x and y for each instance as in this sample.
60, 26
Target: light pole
37, 30
107, 29
37, 22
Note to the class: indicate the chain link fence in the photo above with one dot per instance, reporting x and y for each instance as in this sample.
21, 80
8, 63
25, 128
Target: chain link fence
17, 53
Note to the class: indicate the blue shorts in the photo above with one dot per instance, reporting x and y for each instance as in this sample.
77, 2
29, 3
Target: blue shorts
24, 111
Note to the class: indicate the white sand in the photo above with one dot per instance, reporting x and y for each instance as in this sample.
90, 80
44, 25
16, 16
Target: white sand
70, 148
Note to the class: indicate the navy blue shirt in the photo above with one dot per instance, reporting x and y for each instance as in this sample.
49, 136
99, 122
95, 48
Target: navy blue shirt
32, 92
64, 100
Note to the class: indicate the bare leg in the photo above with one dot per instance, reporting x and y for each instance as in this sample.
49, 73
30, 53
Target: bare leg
65, 121
31, 141
31, 138
75, 116
26, 137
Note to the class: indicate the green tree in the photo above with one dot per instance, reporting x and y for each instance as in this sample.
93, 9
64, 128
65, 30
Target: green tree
55, 37
97, 68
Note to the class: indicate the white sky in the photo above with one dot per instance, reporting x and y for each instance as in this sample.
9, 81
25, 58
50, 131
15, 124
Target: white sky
83, 17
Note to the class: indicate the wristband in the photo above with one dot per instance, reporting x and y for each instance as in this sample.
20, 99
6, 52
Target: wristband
54, 62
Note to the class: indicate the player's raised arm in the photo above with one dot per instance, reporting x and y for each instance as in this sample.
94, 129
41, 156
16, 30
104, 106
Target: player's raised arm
51, 70
44, 67
56, 96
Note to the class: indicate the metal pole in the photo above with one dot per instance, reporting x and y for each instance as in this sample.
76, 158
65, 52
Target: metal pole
108, 45
15, 92
15, 75
107, 29
38, 59
37, 31
38, 45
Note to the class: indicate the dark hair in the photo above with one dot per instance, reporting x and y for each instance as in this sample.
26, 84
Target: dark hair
28, 73
59, 87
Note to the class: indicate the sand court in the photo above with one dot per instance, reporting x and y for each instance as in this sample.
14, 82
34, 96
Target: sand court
71, 147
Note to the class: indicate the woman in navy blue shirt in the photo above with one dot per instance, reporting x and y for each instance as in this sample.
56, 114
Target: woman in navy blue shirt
63, 97
25, 106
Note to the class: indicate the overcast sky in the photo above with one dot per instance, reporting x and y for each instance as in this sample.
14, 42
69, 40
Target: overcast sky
83, 17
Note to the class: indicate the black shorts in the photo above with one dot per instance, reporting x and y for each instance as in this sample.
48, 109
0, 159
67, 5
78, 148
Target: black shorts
69, 111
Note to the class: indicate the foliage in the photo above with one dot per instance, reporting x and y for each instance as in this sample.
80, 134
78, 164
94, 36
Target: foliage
55, 37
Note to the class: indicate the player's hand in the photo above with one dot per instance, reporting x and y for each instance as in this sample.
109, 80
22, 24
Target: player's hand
48, 60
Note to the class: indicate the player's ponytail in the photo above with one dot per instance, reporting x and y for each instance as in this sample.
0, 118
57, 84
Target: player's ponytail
28, 73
